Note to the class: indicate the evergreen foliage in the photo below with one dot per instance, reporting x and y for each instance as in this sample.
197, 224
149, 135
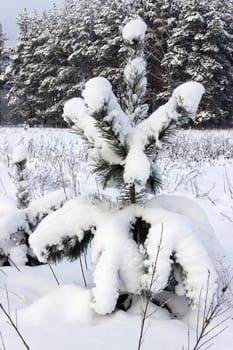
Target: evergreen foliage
70, 247
63, 48
4, 56
20, 162
200, 48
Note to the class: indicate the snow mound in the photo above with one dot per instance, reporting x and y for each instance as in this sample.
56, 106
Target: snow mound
153, 310
66, 304
134, 30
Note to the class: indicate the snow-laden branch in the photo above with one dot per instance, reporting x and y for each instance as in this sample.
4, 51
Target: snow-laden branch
137, 164
98, 104
71, 221
120, 264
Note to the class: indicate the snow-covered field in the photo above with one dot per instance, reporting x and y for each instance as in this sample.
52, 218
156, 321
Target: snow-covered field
199, 165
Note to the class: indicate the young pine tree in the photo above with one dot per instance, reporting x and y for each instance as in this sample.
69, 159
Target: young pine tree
128, 239
20, 162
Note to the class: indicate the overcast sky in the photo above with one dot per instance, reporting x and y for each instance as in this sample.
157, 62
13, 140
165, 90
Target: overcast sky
9, 10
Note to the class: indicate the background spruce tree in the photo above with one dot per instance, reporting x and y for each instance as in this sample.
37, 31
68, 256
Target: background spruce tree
198, 48
61, 49
4, 56
4, 61
23, 75
161, 17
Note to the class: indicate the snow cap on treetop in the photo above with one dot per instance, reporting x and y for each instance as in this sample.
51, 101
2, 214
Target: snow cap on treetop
188, 95
19, 154
134, 30
97, 93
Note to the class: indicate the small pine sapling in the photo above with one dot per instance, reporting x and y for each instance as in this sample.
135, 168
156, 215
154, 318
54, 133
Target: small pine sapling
19, 219
124, 143
14, 225
19, 158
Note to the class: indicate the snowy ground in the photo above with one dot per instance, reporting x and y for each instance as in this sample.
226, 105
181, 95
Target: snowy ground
200, 165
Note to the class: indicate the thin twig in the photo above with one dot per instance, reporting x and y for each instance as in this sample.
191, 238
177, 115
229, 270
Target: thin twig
8, 301
54, 275
14, 326
13, 263
81, 265
2, 341
148, 298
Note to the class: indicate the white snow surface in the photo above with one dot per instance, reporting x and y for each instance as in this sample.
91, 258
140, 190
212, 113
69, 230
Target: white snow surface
7, 205
134, 30
74, 308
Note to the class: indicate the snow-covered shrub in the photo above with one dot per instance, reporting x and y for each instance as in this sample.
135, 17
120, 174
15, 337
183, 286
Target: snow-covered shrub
19, 159
17, 222
16, 225
132, 244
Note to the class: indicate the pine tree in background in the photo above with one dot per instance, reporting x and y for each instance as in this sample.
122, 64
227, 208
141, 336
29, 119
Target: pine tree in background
51, 65
23, 74
198, 48
63, 48
161, 17
4, 56
4, 61
80, 47
111, 16
128, 239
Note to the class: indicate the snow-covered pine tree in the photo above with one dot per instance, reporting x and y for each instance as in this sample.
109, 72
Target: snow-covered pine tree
51, 61
111, 16
4, 60
19, 159
23, 75
19, 218
76, 37
4, 57
14, 227
128, 240
161, 17
199, 49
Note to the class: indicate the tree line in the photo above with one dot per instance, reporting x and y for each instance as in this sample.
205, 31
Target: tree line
59, 50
